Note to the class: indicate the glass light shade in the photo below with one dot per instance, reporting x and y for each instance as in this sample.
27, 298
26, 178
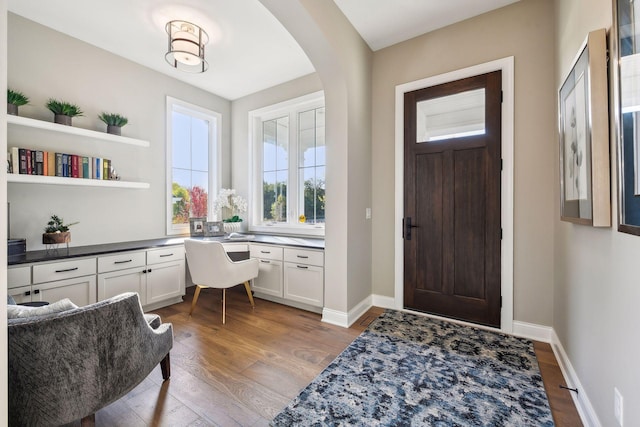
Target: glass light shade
186, 46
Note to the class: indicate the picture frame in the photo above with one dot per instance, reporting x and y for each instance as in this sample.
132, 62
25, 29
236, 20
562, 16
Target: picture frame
213, 228
196, 226
625, 73
583, 125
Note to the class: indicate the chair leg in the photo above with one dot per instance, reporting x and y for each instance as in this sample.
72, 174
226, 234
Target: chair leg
88, 421
248, 289
165, 365
195, 298
224, 306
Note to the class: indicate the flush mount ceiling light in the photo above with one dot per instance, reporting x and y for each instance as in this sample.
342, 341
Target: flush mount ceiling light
186, 46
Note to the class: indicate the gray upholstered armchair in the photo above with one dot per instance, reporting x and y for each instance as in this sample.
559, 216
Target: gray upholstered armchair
66, 366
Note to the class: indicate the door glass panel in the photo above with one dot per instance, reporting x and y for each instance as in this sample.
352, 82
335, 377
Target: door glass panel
452, 116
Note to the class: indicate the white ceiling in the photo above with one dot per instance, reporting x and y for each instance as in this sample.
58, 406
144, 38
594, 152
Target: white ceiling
383, 23
249, 50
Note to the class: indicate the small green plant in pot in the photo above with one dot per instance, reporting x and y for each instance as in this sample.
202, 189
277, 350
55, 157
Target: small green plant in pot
114, 122
15, 99
56, 231
63, 111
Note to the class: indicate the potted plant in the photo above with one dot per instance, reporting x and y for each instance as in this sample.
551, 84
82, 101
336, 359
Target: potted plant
14, 100
56, 231
114, 122
63, 111
231, 206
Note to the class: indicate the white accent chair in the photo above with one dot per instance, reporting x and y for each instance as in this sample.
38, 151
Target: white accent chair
211, 267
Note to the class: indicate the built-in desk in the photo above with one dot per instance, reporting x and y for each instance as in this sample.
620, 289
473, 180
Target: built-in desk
155, 268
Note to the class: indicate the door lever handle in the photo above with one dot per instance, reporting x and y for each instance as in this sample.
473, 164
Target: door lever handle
407, 228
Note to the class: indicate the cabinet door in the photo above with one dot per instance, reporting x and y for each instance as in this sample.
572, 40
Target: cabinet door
21, 294
18, 276
304, 283
165, 281
80, 290
117, 282
269, 280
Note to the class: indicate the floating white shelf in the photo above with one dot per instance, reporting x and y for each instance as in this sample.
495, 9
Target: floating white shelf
56, 180
70, 130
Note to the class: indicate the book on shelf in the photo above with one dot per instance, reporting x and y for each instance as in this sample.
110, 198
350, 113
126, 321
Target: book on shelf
51, 163
48, 163
106, 169
38, 162
74, 166
15, 160
23, 160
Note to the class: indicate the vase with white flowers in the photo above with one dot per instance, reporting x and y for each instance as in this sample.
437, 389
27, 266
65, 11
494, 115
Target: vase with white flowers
230, 205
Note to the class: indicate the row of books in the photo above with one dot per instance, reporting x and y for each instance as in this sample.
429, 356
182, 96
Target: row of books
47, 163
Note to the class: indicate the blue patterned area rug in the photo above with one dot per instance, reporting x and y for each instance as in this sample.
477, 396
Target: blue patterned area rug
409, 370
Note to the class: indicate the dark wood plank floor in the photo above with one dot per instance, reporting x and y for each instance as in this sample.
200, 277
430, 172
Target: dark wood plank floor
243, 373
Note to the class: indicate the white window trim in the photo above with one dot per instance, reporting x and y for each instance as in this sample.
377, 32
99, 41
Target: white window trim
256, 117
215, 150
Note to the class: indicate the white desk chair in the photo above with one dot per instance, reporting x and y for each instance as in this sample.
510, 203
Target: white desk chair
211, 267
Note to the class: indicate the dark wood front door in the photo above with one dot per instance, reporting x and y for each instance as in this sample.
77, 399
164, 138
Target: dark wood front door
451, 226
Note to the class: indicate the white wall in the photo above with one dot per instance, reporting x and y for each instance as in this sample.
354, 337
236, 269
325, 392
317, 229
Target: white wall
44, 63
523, 30
4, 414
596, 270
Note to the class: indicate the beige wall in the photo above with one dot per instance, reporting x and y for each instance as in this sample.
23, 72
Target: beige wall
44, 63
523, 30
596, 278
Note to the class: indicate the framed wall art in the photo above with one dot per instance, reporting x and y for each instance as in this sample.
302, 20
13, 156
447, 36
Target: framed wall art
625, 60
584, 137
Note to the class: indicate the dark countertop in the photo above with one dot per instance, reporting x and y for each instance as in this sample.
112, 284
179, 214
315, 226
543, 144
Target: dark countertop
107, 248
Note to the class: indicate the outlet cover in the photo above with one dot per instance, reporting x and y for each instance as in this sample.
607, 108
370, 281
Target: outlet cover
618, 406
367, 213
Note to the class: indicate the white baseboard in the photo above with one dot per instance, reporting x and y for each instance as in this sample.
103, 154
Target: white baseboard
532, 331
580, 399
383, 302
340, 318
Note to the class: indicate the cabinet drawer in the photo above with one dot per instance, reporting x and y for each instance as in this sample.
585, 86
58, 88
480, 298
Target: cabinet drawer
120, 261
304, 256
18, 276
266, 252
173, 253
63, 270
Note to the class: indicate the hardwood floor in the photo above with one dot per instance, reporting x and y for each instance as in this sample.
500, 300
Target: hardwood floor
243, 373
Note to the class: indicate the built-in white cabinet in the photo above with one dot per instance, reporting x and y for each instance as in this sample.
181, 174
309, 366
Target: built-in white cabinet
304, 276
121, 273
52, 281
165, 275
157, 275
293, 276
269, 280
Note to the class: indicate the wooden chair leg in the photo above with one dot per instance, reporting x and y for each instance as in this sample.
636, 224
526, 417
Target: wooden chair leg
247, 287
88, 421
165, 365
224, 306
195, 298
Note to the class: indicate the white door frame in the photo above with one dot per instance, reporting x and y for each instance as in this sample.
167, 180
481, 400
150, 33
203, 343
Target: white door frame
506, 65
